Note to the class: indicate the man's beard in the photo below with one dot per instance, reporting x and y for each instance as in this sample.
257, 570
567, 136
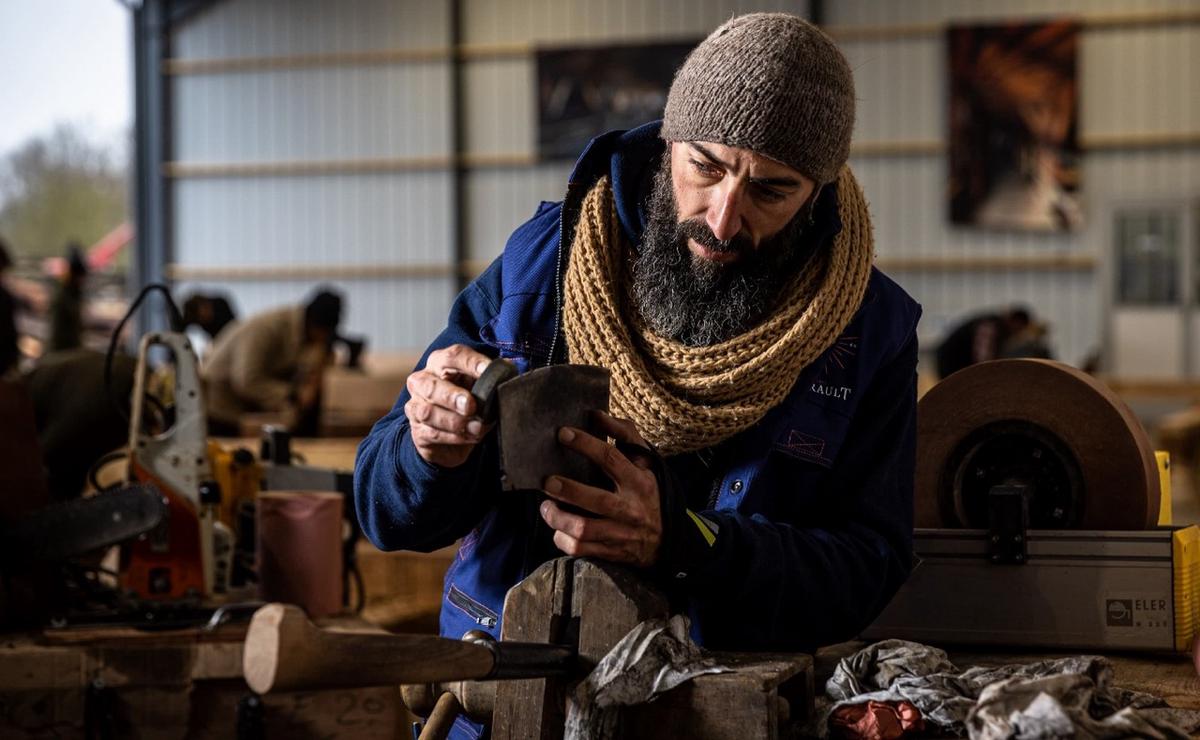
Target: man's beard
700, 302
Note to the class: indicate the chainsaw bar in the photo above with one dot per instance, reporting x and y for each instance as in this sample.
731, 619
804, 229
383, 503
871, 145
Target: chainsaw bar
64, 530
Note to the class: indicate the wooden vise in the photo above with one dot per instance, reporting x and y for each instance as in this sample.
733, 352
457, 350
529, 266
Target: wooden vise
583, 605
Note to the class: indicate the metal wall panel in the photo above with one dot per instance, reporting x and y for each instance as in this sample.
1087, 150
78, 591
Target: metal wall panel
384, 111
501, 104
498, 201
1134, 80
319, 113
593, 21
389, 313
911, 216
259, 28
1066, 300
901, 83
373, 219
907, 12
1142, 80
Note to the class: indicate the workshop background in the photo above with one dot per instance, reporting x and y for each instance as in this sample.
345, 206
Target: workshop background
388, 148
392, 147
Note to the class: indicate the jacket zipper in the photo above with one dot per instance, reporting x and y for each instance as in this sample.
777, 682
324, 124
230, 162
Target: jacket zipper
568, 197
481, 614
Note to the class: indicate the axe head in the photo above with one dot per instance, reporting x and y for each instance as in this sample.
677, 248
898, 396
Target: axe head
533, 407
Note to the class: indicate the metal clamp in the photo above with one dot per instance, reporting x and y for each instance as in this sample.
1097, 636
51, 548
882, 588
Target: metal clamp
1008, 524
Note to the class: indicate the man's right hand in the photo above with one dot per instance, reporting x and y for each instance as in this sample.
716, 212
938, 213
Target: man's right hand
441, 409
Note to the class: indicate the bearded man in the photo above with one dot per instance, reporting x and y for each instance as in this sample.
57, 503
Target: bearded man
719, 264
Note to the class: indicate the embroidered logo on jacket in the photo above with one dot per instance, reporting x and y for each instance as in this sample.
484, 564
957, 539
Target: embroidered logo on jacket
830, 380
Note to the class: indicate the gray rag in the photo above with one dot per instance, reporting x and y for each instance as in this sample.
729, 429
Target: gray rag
1047, 699
655, 656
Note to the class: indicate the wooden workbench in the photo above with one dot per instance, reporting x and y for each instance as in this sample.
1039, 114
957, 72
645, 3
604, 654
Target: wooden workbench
166, 686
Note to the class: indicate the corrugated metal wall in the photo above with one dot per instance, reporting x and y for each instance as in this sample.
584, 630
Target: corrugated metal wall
1135, 80
371, 111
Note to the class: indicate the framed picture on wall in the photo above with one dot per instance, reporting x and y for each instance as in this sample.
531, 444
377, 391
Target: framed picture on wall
1014, 126
583, 92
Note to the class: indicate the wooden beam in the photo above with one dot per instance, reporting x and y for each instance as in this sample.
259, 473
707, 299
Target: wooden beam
1157, 140
470, 269
898, 148
485, 52
438, 163
305, 167
1100, 22
888, 32
273, 273
1120, 21
178, 67
518, 160
1032, 263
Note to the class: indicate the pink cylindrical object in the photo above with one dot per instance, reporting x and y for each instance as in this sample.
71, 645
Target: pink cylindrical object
299, 549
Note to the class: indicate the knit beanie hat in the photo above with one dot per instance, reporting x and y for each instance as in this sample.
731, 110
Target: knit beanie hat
772, 83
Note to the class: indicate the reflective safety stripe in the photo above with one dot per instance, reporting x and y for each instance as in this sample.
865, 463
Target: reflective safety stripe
706, 529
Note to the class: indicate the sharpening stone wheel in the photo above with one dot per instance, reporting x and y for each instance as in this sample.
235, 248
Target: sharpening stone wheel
1038, 423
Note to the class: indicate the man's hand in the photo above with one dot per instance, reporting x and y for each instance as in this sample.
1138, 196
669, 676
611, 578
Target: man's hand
441, 410
629, 527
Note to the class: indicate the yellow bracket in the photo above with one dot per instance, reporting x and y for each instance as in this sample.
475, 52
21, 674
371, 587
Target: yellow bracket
1164, 484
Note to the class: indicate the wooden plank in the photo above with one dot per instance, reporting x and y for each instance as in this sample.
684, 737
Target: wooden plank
177, 271
609, 601
1148, 140
1037, 263
179, 67
1100, 142
764, 693
1094, 22
535, 610
307, 167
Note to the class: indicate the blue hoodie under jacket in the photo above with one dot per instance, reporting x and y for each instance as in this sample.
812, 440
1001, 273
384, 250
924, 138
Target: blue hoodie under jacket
812, 506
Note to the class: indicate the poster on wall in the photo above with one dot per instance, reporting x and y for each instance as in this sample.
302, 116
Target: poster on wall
1014, 153
586, 91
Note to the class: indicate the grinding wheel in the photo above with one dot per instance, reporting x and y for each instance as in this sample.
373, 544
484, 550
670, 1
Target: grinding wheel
1039, 423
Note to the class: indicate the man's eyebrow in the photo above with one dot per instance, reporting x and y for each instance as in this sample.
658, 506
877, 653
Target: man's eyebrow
780, 182
708, 155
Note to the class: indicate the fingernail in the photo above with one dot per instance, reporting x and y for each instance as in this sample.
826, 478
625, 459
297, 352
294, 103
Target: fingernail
460, 401
545, 509
566, 435
553, 485
481, 367
474, 428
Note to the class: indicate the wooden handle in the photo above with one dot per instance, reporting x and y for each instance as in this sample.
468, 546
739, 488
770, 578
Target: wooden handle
447, 709
284, 651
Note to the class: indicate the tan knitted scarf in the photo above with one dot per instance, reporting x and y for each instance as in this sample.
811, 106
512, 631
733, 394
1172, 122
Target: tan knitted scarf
688, 398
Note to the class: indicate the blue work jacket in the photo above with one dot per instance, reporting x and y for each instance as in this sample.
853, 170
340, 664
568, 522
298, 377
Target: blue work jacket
813, 504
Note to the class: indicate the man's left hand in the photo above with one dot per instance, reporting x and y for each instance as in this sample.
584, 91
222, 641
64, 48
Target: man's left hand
628, 524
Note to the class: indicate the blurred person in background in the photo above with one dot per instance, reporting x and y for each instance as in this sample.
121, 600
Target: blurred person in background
272, 362
66, 310
204, 316
210, 313
10, 353
991, 336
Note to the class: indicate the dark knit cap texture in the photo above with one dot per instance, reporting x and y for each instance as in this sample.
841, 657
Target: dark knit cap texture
772, 83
